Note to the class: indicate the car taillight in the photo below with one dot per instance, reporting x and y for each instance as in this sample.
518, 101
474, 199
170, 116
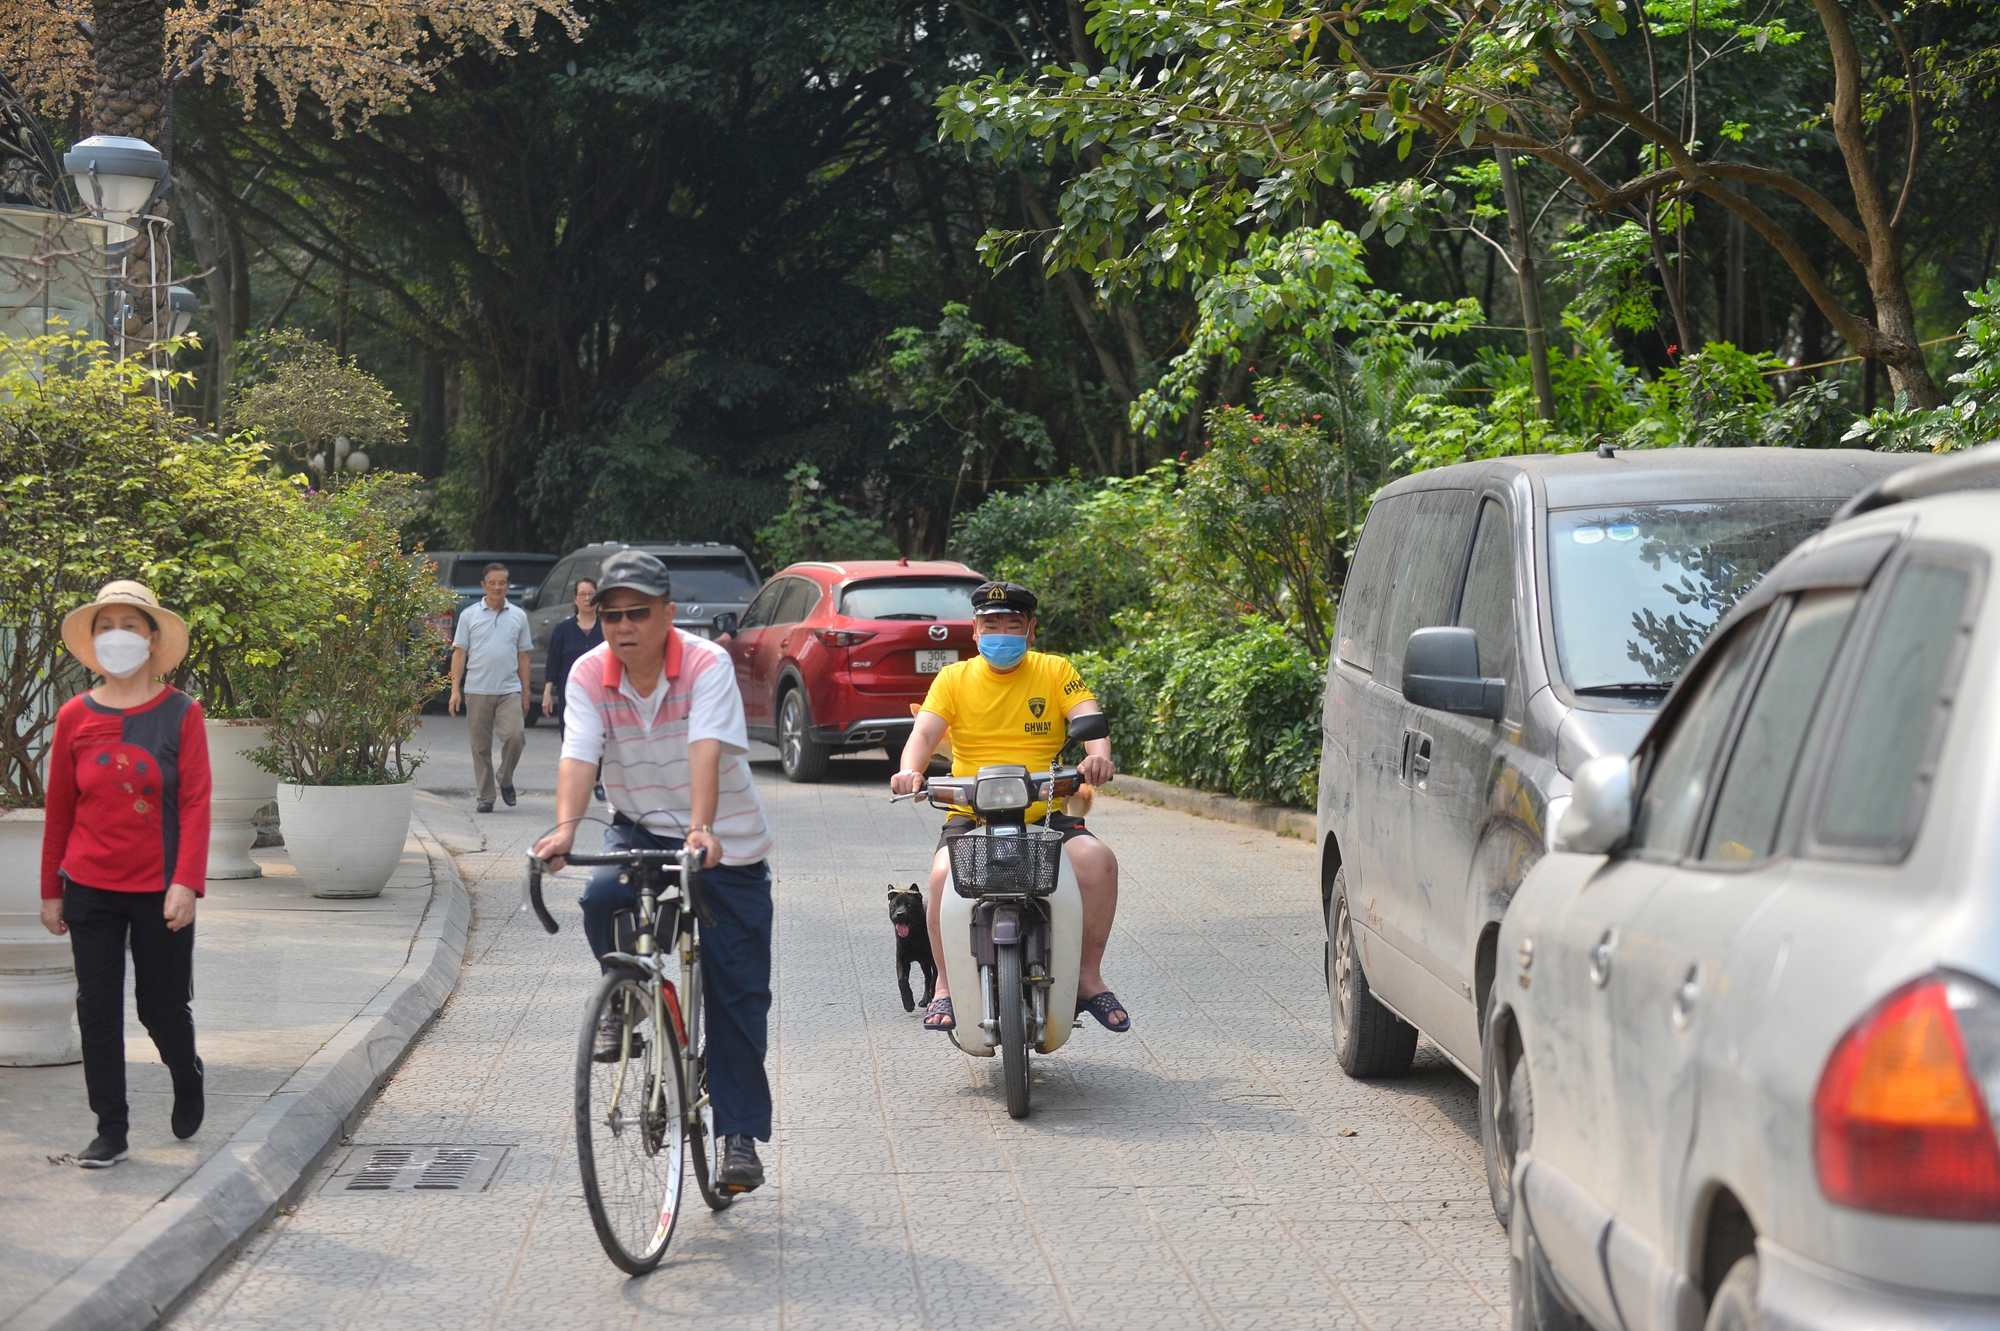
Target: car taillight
841, 637
1902, 1119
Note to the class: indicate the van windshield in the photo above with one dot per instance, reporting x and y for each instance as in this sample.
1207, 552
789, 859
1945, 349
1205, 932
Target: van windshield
1637, 589
908, 598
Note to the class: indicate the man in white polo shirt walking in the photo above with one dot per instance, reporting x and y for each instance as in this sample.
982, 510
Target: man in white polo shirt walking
489, 678
659, 708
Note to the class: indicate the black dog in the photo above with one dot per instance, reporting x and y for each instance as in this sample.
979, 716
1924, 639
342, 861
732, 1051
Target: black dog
913, 942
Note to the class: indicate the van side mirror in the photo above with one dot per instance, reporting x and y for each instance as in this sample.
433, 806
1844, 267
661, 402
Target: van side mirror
1441, 671
531, 598
725, 623
1599, 816
1094, 725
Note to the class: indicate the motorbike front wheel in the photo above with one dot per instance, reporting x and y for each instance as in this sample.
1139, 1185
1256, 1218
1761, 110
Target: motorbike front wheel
1013, 1028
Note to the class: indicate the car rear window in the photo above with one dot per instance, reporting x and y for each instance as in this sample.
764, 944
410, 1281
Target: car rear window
727, 580
909, 598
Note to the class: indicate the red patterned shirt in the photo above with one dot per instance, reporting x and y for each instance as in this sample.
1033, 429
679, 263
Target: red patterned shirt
128, 796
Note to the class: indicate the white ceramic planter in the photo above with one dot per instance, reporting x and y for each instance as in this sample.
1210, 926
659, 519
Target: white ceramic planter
345, 841
241, 788
37, 978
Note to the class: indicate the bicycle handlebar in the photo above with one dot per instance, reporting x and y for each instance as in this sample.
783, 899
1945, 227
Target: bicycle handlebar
685, 861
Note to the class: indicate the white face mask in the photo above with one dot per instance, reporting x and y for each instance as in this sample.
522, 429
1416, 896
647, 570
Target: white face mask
121, 652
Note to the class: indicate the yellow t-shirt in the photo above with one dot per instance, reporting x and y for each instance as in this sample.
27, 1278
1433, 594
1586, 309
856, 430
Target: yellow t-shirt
1012, 718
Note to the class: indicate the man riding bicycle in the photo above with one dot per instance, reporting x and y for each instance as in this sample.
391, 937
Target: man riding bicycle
1013, 705
660, 709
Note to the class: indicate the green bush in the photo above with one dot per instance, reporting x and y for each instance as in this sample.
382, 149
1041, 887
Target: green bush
99, 480
1235, 712
342, 712
815, 526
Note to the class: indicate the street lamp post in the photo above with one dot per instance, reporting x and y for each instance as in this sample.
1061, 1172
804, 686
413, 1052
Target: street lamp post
120, 180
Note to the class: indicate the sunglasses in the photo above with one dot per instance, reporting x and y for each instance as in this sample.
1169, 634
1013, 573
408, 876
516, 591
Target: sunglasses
638, 614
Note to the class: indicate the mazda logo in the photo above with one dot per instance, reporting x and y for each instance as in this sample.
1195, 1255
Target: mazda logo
939, 633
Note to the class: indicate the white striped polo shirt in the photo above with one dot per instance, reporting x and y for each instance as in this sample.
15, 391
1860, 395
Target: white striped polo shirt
646, 758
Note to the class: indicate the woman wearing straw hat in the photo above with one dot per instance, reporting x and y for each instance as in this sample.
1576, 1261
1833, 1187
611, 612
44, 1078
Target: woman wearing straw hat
126, 849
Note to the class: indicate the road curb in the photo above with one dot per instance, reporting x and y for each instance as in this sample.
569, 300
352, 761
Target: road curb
143, 1274
1224, 808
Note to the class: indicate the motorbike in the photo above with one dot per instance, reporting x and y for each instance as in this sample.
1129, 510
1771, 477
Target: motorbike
1012, 922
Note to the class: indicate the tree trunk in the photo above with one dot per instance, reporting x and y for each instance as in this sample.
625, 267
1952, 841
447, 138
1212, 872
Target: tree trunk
1895, 319
430, 415
129, 47
1523, 247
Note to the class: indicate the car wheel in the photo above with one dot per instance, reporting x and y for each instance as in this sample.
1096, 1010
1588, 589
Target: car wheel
1536, 1303
1734, 1307
1506, 1111
1368, 1039
804, 760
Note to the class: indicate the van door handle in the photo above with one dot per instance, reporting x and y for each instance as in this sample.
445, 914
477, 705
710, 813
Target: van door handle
1686, 998
1416, 757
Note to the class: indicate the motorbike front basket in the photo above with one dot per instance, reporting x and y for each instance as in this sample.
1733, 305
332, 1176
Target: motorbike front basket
1016, 863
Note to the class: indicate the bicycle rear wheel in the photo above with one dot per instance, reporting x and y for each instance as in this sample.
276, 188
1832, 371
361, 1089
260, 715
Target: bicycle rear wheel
630, 1126
703, 1145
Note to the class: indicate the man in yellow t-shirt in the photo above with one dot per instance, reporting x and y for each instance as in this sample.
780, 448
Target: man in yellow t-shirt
1012, 705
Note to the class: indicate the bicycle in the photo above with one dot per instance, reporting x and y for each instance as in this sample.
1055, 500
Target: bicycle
644, 1112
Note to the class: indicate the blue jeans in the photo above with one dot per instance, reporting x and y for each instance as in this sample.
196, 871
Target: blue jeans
735, 972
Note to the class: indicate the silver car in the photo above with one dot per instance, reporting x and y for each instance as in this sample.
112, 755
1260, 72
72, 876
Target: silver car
1504, 622
1746, 1019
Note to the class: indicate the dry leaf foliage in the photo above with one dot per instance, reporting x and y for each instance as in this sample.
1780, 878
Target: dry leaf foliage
359, 57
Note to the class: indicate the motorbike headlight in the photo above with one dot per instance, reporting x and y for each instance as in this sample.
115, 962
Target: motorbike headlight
1000, 794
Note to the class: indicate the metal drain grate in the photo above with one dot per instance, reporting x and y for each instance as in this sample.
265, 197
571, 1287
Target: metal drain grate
383, 1169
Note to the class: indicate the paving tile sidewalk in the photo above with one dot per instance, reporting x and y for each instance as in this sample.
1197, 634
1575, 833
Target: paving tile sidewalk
280, 977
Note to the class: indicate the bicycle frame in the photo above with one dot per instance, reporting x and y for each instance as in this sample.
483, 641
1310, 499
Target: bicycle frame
680, 1002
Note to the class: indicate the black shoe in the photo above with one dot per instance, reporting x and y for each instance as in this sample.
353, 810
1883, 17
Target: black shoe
507, 794
484, 806
189, 1103
103, 1152
611, 1039
742, 1171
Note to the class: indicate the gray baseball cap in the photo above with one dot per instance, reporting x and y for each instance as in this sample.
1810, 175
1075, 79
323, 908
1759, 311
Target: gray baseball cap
637, 570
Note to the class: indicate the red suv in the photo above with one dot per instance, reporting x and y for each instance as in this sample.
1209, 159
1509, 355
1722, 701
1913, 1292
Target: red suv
831, 657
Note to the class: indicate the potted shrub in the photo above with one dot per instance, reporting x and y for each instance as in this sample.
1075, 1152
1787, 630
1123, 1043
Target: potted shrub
342, 711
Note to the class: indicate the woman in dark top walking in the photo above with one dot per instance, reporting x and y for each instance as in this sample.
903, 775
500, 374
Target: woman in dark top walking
568, 641
125, 851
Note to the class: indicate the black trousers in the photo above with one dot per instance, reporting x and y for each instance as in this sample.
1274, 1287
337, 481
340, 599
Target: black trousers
100, 923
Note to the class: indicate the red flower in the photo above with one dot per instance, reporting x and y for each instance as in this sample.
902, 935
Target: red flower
1672, 348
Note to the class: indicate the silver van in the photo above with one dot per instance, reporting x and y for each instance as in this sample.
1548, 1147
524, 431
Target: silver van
1504, 622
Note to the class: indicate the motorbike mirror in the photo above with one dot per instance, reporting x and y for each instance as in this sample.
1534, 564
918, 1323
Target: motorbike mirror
1095, 725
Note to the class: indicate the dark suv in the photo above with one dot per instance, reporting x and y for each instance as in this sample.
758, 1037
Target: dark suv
1503, 622
709, 580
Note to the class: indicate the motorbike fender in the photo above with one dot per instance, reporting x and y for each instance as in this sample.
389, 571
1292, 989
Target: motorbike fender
961, 964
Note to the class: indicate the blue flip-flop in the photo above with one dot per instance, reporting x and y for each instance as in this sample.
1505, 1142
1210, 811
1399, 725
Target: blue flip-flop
1102, 1006
940, 1007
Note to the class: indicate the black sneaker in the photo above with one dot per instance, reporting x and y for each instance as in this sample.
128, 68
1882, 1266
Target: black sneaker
484, 806
189, 1103
611, 1038
103, 1152
507, 795
741, 1171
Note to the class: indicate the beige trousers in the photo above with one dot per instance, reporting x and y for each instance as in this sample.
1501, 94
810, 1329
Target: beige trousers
490, 713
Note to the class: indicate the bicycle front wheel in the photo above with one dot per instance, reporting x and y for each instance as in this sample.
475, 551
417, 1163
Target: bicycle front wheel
630, 1124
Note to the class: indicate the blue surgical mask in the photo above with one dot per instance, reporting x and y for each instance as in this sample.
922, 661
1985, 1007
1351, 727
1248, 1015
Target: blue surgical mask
1004, 650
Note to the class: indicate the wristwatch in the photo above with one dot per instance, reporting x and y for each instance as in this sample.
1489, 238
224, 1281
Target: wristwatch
703, 828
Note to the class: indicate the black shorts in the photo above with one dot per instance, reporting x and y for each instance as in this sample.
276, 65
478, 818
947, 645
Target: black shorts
960, 823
